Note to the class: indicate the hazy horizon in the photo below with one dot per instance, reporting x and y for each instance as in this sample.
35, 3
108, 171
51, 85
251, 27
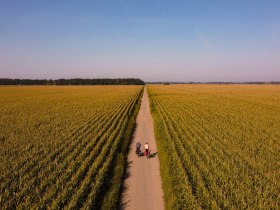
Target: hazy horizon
175, 41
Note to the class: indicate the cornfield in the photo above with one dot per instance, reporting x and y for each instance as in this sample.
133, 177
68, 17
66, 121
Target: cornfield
64, 147
218, 145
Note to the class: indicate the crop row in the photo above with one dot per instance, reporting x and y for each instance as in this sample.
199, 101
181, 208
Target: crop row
62, 147
214, 151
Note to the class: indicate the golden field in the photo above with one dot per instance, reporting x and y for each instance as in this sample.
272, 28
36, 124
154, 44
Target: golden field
218, 145
64, 147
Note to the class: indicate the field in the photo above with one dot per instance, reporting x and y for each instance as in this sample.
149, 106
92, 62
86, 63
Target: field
64, 147
218, 145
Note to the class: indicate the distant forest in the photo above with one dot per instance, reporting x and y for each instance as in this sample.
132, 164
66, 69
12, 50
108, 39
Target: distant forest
217, 83
76, 81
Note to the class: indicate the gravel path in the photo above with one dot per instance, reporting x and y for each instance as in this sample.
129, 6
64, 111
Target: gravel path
143, 184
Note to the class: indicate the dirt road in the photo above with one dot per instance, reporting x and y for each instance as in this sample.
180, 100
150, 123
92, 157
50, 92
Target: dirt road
143, 185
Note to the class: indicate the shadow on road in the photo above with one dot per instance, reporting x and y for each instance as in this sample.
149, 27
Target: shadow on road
123, 205
152, 155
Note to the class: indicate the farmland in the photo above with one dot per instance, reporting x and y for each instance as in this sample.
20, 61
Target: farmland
64, 147
218, 145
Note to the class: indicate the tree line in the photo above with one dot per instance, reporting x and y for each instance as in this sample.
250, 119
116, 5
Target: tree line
75, 81
217, 83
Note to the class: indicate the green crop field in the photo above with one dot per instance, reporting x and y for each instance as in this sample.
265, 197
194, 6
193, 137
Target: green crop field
64, 147
218, 145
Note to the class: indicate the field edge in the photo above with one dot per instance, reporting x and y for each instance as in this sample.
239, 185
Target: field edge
111, 198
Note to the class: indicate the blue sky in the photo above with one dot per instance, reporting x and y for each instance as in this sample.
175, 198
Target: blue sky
152, 40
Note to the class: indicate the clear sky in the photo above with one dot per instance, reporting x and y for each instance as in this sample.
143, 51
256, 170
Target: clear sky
156, 40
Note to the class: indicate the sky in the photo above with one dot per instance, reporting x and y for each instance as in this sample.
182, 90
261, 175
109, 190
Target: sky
155, 40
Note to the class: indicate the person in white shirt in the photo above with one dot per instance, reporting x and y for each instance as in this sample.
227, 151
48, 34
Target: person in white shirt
146, 149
